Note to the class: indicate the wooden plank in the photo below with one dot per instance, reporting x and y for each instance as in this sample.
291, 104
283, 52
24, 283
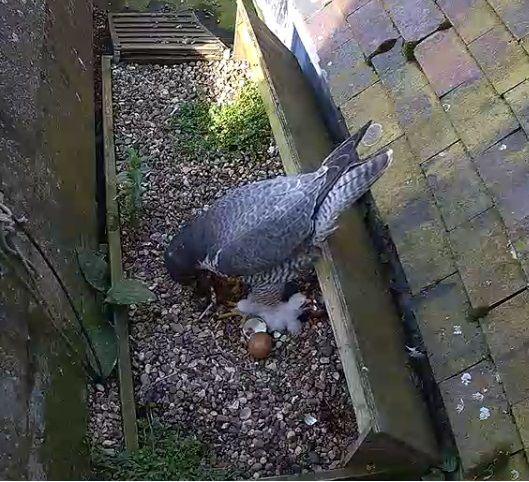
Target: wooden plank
168, 41
167, 58
168, 28
188, 14
168, 54
126, 388
190, 48
191, 56
157, 24
174, 47
151, 21
153, 35
114, 37
163, 33
144, 59
179, 15
165, 29
159, 27
150, 59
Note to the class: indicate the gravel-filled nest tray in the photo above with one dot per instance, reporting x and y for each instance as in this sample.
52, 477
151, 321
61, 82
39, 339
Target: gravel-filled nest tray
289, 413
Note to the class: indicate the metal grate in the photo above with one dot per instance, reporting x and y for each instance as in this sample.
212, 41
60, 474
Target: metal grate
162, 37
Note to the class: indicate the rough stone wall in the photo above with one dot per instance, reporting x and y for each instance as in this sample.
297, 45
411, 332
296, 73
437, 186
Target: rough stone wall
47, 174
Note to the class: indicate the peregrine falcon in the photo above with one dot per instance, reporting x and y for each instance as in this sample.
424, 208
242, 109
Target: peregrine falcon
266, 232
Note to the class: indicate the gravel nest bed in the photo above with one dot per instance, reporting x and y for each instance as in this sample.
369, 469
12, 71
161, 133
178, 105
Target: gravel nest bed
104, 421
197, 374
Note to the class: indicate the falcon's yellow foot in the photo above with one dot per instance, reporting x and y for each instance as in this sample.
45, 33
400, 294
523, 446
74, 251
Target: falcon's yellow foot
231, 314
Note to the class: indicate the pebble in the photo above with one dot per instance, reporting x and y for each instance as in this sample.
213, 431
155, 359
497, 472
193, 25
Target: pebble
327, 349
246, 413
104, 424
177, 327
314, 458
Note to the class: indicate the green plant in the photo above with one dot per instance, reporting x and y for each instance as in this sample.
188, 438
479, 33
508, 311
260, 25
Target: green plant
130, 181
95, 270
193, 121
126, 291
241, 125
164, 454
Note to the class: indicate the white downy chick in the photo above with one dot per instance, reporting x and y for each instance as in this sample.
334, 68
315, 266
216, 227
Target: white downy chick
278, 317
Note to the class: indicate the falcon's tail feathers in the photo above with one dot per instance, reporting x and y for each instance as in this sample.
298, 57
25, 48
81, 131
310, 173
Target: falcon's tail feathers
343, 154
339, 161
349, 188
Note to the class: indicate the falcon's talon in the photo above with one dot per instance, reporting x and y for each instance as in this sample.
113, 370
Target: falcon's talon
230, 314
206, 311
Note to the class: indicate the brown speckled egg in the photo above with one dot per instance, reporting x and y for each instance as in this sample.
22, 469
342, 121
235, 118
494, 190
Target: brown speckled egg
260, 345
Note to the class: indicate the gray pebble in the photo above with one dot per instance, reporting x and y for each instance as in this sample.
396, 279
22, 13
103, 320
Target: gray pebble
245, 413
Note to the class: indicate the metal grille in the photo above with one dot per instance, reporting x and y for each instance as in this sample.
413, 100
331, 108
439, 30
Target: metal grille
162, 38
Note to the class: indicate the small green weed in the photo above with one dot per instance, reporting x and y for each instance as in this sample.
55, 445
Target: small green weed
164, 454
242, 124
130, 181
239, 126
193, 121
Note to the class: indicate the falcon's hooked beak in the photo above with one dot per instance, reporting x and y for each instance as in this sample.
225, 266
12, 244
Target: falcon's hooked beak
180, 262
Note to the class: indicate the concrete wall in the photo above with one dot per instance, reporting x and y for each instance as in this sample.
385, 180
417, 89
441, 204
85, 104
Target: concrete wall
276, 15
287, 19
47, 174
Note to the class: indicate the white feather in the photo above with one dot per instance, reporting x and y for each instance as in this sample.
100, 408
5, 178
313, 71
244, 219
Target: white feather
277, 317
